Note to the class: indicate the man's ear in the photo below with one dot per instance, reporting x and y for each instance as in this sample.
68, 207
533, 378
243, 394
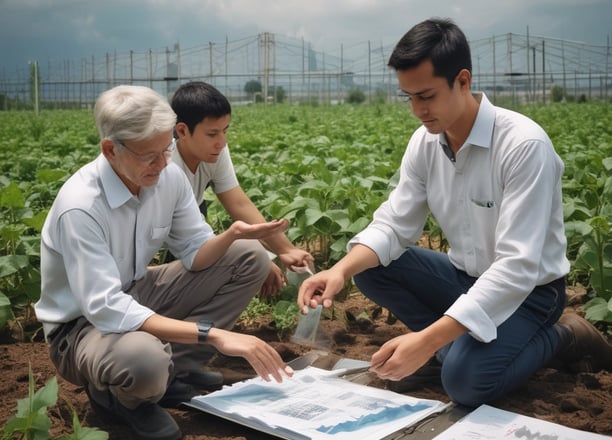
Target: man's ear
465, 79
181, 130
108, 148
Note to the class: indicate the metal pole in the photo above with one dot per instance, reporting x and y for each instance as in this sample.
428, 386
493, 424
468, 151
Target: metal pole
266, 72
341, 72
607, 67
369, 73
150, 68
528, 67
534, 74
93, 79
564, 94
210, 58
36, 87
543, 74
494, 74
108, 81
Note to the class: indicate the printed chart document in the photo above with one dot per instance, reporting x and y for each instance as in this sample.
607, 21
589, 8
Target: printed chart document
489, 423
316, 404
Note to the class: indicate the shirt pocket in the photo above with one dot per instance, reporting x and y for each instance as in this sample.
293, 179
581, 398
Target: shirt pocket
484, 214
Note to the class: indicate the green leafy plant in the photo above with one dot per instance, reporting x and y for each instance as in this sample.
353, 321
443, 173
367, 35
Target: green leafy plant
285, 317
326, 169
31, 421
588, 214
19, 259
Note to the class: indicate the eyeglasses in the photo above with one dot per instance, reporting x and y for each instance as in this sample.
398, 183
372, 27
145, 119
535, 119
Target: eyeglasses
150, 158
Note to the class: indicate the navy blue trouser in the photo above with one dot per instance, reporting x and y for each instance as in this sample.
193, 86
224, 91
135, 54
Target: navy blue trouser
422, 284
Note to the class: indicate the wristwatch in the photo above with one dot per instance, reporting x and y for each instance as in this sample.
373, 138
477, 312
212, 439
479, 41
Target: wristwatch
204, 327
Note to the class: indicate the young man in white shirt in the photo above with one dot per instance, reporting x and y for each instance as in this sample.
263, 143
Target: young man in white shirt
115, 325
203, 119
487, 310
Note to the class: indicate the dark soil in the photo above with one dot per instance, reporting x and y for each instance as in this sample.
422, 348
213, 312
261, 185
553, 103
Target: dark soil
581, 401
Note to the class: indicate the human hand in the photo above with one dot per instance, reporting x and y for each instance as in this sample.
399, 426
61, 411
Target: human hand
319, 289
274, 282
401, 356
257, 231
264, 359
296, 258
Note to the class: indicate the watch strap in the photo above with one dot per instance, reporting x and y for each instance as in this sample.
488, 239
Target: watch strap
204, 327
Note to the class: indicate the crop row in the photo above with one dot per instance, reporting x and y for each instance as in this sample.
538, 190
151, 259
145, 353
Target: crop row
326, 169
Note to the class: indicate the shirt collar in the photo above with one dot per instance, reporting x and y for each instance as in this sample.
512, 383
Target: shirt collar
114, 189
481, 133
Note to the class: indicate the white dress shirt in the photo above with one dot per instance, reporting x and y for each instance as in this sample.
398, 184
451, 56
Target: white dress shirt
98, 238
498, 203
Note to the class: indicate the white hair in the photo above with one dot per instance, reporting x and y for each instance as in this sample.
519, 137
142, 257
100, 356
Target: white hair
132, 113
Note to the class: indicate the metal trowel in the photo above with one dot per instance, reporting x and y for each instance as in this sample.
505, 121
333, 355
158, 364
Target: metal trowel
308, 332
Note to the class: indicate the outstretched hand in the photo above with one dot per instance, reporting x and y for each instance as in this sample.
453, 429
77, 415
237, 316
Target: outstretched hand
258, 231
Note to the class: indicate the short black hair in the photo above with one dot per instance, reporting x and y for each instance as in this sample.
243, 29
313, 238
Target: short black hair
439, 40
196, 100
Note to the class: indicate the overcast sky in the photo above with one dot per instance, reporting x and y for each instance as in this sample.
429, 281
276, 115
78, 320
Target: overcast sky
56, 30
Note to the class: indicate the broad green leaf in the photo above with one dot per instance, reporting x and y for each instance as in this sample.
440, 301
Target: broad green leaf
4, 300
40, 425
31, 286
84, 433
313, 216
340, 245
10, 264
46, 175
581, 228
575, 210
359, 225
16, 424
47, 395
29, 246
36, 222
12, 232
6, 313
598, 309
340, 217
12, 197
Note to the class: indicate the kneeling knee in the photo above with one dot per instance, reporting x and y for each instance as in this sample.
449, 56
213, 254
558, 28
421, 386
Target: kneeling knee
143, 364
468, 387
253, 254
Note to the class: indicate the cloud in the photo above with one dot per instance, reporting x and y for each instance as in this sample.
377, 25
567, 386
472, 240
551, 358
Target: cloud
74, 29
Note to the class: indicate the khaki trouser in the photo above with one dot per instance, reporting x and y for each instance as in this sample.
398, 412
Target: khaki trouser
136, 366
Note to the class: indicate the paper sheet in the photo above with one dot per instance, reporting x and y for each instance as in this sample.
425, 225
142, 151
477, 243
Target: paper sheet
489, 423
316, 404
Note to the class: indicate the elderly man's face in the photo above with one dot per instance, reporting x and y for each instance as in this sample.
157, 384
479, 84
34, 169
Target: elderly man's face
139, 163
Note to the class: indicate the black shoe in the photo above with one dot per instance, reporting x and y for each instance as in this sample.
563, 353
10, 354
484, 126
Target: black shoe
428, 375
177, 393
149, 421
585, 349
205, 379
